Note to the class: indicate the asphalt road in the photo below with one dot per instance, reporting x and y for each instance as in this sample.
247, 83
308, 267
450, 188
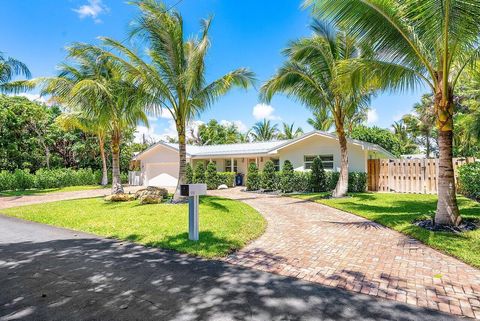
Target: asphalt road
48, 273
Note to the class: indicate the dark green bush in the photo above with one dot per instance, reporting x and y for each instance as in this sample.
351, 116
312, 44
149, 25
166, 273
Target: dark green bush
23, 179
7, 181
318, 178
301, 182
269, 177
199, 173
227, 178
287, 179
357, 182
189, 174
332, 179
211, 176
253, 178
469, 180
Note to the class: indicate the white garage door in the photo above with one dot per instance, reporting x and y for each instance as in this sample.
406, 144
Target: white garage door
162, 174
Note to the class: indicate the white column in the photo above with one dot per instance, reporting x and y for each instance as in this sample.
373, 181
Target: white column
232, 168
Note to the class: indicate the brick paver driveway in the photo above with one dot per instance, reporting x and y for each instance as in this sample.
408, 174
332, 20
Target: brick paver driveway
316, 243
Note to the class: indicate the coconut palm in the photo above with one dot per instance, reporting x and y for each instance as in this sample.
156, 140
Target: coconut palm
312, 75
289, 131
401, 131
100, 98
428, 42
264, 131
173, 72
321, 120
9, 68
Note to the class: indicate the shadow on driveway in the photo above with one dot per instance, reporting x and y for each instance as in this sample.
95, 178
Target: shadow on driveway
51, 273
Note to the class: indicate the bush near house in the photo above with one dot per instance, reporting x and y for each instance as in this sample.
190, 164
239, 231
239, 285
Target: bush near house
268, 177
189, 174
50, 178
318, 178
469, 180
199, 174
227, 178
253, 178
287, 178
211, 176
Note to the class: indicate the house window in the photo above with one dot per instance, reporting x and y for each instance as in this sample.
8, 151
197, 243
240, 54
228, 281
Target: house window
327, 161
228, 165
276, 163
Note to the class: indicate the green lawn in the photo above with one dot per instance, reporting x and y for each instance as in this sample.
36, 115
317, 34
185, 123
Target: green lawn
225, 225
398, 211
51, 190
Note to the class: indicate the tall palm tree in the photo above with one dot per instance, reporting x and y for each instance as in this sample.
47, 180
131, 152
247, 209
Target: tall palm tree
428, 42
402, 132
289, 131
312, 75
95, 87
321, 120
9, 68
264, 131
421, 123
173, 73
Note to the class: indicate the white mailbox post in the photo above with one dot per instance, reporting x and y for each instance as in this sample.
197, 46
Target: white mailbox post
193, 191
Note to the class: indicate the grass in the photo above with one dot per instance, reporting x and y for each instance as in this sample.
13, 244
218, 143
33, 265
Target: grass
225, 225
50, 190
398, 211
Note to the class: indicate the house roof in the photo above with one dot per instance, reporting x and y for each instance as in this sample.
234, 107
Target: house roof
257, 148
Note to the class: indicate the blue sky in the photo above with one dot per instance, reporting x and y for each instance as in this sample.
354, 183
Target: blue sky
245, 33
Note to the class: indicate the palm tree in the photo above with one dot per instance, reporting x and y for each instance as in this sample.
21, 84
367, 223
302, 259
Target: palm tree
264, 131
321, 120
402, 132
428, 42
312, 75
289, 131
104, 100
9, 68
421, 123
173, 73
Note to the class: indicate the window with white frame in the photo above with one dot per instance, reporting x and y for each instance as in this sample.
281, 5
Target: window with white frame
228, 165
327, 161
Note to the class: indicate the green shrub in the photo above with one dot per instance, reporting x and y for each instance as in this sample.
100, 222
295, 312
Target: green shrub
332, 179
7, 181
318, 178
357, 182
189, 174
268, 176
469, 180
227, 178
287, 182
301, 182
23, 179
253, 178
199, 173
211, 176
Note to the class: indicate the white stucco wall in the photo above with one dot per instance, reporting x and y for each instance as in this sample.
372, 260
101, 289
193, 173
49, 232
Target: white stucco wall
159, 167
317, 145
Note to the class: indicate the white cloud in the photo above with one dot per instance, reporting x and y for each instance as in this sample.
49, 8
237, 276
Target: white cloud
93, 9
372, 116
261, 111
164, 113
238, 123
147, 133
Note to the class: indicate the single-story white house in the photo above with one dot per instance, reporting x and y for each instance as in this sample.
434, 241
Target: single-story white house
158, 165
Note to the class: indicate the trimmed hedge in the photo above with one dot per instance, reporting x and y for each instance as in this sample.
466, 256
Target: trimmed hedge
253, 178
469, 180
51, 178
227, 178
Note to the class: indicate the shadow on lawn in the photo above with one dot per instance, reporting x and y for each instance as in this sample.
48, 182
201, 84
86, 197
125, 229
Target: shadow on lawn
90, 278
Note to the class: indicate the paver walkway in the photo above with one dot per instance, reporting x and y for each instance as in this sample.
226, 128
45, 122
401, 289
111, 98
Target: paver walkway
12, 201
317, 243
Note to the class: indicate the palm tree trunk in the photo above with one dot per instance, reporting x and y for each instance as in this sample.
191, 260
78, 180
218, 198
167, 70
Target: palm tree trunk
101, 142
447, 208
427, 137
117, 187
342, 185
182, 153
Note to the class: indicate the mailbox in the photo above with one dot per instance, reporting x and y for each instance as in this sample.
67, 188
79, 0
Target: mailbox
193, 191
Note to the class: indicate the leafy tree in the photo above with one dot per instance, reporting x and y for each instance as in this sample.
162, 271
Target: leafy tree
380, 136
253, 178
268, 176
430, 43
173, 74
199, 173
287, 181
9, 68
289, 131
264, 131
214, 133
401, 131
211, 176
318, 178
312, 75
321, 120
188, 174
421, 124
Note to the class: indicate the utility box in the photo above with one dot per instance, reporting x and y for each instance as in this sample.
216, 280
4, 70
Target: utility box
193, 191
